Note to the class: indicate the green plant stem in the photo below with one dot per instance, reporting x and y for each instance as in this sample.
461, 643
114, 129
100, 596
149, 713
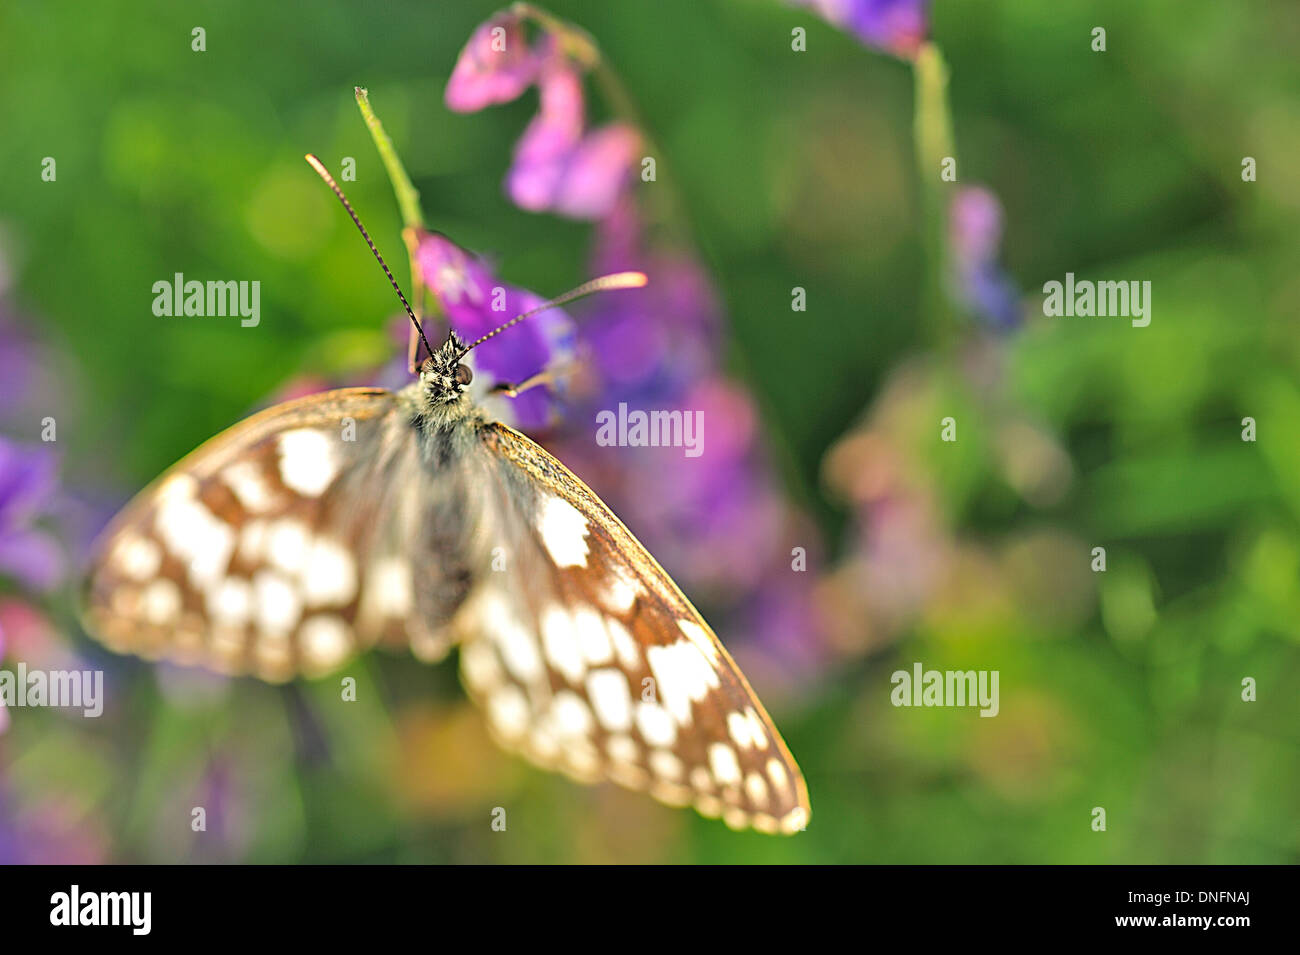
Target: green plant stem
408, 201
408, 197
934, 144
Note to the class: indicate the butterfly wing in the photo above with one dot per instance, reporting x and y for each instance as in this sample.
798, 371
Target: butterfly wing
284, 545
325, 525
589, 660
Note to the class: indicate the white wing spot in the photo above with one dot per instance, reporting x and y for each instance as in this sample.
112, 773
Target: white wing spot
508, 711
756, 788
308, 461
701, 779
757, 731
780, 778
561, 643
518, 646
324, 641
610, 698
246, 480
478, 661
278, 605
231, 601
746, 730
543, 744
674, 794
571, 715
710, 806
666, 765
592, 636
330, 575
178, 487
700, 637
723, 762
624, 644
623, 748
179, 521
136, 556
193, 534
215, 547
621, 592
656, 725
286, 544
252, 542
683, 675
735, 818
390, 585
161, 601
564, 532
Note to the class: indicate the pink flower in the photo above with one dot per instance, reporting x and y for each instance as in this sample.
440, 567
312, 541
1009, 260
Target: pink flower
559, 168
495, 66
559, 165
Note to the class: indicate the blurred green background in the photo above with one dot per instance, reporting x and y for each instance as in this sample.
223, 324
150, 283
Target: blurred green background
1120, 690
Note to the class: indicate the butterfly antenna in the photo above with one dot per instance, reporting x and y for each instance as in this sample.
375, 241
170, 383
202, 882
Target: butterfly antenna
605, 283
329, 181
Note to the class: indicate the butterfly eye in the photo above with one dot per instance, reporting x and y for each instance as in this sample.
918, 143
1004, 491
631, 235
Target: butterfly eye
464, 375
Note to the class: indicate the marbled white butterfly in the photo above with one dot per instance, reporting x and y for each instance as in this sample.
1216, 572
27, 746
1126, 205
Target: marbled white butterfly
327, 525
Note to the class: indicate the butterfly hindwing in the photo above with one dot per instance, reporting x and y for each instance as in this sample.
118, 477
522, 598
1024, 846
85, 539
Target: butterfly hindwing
280, 547
588, 659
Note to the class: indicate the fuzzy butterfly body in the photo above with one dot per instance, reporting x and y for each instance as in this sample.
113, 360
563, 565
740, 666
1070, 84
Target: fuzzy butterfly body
331, 524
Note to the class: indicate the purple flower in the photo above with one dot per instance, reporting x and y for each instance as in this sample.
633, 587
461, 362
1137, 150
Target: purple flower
559, 165
28, 479
496, 65
15, 364
895, 26
654, 341
475, 303
975, 237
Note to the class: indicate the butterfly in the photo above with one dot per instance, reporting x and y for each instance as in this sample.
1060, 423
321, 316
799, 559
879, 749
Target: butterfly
364, 517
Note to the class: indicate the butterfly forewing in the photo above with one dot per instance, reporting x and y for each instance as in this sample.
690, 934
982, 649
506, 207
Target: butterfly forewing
588, 659
279, 548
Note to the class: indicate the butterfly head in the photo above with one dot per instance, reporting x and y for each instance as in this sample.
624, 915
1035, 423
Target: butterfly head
443, 378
